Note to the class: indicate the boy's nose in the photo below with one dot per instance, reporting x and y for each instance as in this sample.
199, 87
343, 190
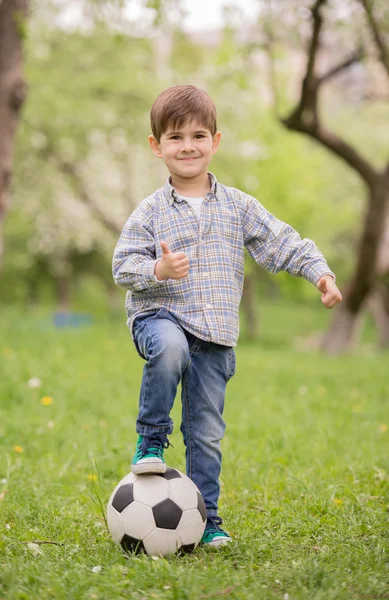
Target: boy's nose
187, 145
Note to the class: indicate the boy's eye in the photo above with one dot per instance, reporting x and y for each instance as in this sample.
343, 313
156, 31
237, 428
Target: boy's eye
198, 136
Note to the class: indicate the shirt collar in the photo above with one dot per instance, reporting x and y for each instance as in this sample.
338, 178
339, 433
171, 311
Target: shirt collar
172, 195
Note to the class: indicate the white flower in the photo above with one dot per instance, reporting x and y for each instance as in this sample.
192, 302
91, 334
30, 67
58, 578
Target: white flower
34, 383
96, 569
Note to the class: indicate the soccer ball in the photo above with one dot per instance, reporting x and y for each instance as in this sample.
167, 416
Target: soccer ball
159, 514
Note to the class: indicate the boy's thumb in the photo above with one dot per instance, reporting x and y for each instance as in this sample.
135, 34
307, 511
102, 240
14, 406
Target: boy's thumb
165, 248
322, 285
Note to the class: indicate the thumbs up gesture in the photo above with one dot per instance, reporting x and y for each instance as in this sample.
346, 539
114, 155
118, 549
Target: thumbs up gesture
172, 265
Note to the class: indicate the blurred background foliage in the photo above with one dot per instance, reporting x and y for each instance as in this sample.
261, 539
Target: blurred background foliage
82, 161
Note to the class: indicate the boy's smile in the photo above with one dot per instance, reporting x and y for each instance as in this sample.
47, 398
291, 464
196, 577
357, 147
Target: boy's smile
186, 151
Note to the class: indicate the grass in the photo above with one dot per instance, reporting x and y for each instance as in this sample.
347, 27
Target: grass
305, 481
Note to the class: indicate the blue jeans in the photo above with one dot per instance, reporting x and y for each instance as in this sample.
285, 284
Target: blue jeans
204, 368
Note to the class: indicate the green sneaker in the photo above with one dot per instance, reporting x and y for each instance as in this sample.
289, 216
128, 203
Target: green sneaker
214, 535
148, 457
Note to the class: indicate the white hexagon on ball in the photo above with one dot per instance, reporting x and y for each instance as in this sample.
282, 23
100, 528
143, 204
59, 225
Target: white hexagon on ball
114, 523
151, 490
183, 492
162, 542
191, 527
137, 520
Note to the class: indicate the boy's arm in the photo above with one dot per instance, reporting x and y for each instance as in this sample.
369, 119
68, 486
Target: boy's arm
276, 246
134, 258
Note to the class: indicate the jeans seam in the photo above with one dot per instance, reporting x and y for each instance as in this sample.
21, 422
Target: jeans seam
189, 441
147, 378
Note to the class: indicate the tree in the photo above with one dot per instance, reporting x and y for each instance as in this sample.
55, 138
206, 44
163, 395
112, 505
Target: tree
12, 91
305, 118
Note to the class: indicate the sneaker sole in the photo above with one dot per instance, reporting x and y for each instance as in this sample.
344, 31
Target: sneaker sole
148, 468
218, 542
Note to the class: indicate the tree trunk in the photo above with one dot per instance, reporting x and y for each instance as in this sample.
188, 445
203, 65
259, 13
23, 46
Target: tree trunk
378, 305
12, 92
62, 287
345, 327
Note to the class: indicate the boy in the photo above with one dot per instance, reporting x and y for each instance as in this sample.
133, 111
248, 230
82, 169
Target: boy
181, 256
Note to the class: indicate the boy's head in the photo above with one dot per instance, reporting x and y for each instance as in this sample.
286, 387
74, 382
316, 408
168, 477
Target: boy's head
185, 136
180, 105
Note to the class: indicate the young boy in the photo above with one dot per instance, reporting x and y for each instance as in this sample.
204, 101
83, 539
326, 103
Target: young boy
181, 256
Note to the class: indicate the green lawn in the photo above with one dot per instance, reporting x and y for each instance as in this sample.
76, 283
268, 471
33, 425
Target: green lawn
305, 481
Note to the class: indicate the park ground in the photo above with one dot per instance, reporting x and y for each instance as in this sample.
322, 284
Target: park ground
305, 481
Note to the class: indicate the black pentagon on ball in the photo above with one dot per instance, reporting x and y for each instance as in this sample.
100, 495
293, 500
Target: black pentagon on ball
167, 514
201, 507
170, 474
123, 497
131, 544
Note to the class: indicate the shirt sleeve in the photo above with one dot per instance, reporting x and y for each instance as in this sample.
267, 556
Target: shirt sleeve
276, 246
134, 257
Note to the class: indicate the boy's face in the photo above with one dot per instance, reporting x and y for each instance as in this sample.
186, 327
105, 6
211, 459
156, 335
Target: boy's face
188, 151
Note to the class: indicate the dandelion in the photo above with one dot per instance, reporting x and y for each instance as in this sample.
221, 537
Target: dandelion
338, 501
382, 428
34, 383
47, 400
92, 477
50, 424
96, 569
18, 449
85, 427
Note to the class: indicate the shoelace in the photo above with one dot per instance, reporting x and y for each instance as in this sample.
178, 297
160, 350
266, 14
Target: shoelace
213, 525
154, 443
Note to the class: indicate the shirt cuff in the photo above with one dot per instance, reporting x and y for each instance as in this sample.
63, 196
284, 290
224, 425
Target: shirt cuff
330, 273
314, 272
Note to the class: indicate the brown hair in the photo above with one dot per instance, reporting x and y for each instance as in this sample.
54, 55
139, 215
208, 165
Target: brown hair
179, 105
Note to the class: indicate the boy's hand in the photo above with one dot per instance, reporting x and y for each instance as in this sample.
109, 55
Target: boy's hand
331, 296
172, 265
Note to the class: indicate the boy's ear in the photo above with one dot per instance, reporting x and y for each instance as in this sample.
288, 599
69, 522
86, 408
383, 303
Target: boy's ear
155, 146
216, 141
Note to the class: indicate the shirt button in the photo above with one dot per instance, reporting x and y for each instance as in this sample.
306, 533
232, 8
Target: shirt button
205, 274
209, 305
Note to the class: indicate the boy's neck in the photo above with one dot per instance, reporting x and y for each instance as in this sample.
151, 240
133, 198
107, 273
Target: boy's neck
196, 187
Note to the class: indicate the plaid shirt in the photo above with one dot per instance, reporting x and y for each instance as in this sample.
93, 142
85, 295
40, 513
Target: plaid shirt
206, 302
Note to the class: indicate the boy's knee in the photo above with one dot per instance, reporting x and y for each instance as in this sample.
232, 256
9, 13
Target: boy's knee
172, 350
